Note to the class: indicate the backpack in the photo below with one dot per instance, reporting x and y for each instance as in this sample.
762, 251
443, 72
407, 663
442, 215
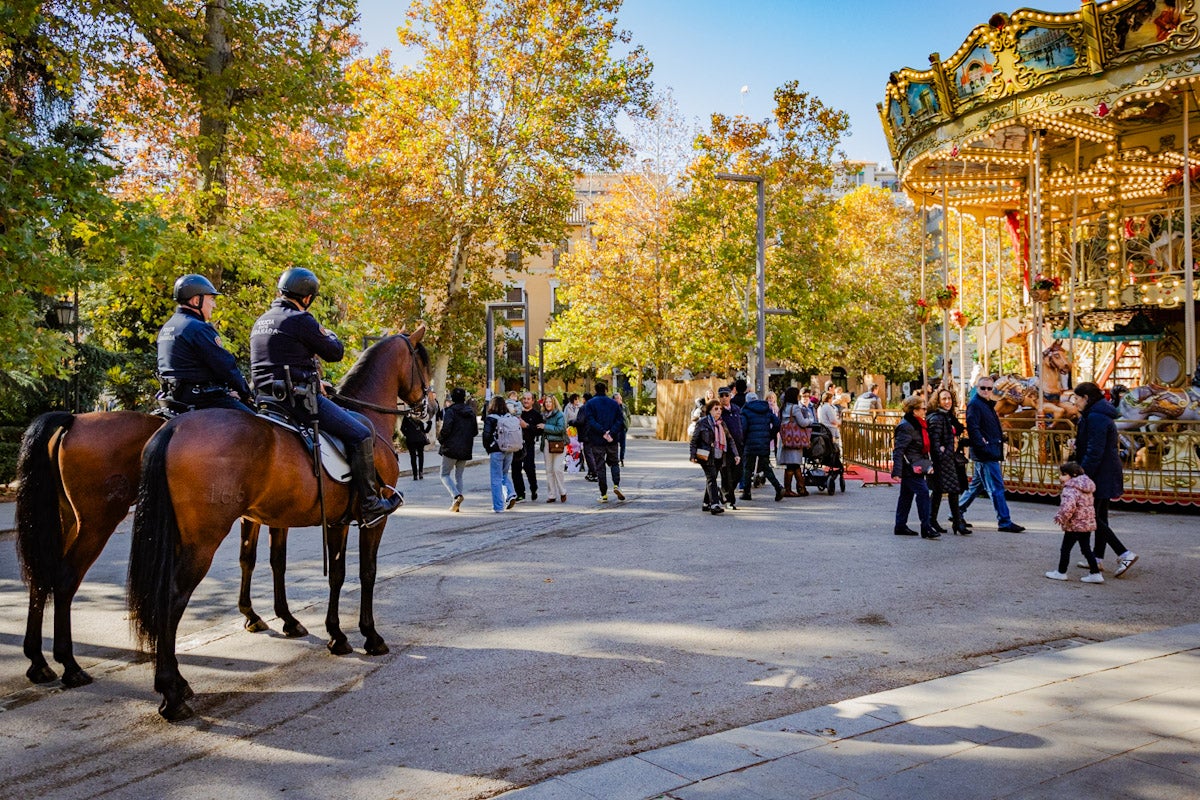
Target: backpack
508, 433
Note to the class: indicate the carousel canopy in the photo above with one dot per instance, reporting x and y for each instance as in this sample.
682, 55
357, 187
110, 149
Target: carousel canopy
1095, 97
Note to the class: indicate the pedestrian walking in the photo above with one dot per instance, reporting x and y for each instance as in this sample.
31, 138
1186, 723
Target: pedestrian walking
416, 438
760, 429
944, 430
1077, 518
601, 422
795, 427
711, 444
456, 438
911, 464
1096, 451
987, 451
524, 461
554, 434
504, 494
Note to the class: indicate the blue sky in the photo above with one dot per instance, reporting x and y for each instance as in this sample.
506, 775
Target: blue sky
707, 50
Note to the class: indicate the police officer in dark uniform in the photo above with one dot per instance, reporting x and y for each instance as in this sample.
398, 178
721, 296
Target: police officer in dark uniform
197, 370
288, 336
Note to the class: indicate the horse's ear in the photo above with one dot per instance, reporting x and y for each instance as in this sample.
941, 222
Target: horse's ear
401, 331
416, 336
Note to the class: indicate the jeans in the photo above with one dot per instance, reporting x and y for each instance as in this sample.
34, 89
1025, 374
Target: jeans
499, 465
987, 474
600, 454
913, 487
453, 486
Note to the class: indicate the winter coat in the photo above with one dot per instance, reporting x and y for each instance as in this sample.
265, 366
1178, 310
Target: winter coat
910, 445
706, 434
415, 433
598, 416
1096, 449
459, 429
760, 428
732, 417
1077, 509
803, 416
556, 427
943, 441
983, 430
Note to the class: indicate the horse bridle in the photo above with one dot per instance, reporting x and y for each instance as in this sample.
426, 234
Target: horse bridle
402, 407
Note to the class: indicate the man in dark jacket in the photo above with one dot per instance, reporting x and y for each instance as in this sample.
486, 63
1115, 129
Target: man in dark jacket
760, 425
731, 475
600, 423
459, 429
987, 451
525, 460
1096, 451
194, 366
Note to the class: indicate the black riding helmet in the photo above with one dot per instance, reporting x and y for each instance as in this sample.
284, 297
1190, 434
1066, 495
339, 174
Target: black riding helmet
298, 283
190, 286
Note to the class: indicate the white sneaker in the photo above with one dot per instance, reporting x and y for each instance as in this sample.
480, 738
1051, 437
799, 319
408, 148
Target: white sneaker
1086, 565
1055, 575
1127, 560
1094, 577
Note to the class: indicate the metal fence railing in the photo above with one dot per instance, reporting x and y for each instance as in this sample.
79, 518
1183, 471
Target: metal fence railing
1161, 462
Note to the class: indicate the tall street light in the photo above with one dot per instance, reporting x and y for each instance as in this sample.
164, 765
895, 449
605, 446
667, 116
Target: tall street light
760, 378
66, 313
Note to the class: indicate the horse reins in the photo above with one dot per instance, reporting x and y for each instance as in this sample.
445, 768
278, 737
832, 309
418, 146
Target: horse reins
403, 408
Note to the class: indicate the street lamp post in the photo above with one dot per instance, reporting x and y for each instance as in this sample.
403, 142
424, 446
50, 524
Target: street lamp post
542, 364
66, 313
760, 379
491, 342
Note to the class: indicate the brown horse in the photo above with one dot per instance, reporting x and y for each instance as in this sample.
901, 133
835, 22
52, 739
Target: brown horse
204, 470
78, 476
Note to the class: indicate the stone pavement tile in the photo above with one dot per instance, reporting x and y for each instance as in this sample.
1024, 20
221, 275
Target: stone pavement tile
967, 723
768, 743
859, 761
1109, 734
844, 794
553, 789
701, 758
1163, 714
826, 721
784, 779
1179, 754
922, 740
628, 778
1120, 777
1052, 754
978, 774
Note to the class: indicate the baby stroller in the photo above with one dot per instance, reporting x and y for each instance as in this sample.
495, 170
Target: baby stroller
822, 467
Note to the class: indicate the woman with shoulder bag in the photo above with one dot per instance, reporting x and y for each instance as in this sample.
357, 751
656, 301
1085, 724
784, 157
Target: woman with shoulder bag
711, 445
554, 434
944, 430
795, 419
911, 464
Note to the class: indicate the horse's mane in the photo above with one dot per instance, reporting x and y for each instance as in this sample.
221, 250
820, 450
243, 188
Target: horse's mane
356, 376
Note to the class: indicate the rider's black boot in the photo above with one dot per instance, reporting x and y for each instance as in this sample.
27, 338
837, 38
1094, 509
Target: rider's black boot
372, 507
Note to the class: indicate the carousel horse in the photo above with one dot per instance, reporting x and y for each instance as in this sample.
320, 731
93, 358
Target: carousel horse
1017, 398
1147, 404
77, 477
265, 474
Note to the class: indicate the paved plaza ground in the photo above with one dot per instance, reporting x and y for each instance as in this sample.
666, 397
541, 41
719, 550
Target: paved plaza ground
644, 649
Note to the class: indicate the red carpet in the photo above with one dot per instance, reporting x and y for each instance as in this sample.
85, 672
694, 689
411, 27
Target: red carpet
865, 475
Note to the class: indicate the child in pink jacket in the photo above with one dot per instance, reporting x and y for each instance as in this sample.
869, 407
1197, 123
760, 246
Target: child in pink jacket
1077, 517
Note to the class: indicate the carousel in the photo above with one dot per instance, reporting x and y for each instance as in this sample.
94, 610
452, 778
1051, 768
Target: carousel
1072, 140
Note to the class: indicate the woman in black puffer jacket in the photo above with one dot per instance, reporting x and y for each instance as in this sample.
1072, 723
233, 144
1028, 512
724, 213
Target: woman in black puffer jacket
944, 432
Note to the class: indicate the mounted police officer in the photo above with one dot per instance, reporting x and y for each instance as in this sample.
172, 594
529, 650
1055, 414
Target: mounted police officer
193, 364
284, 345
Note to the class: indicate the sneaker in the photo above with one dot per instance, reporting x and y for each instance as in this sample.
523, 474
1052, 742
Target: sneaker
1055, 575
1083, 564
533, 496
603, 498
512, 501
1094, 577
1012, 527
520, 498
717, 509
1126, 561
617, 492
457, 504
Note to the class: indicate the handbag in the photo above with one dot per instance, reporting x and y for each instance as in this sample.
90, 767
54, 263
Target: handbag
701, 454
794, 435
921, 466
555, 447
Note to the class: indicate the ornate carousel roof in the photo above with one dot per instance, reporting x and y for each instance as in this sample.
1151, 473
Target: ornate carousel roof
1099, 93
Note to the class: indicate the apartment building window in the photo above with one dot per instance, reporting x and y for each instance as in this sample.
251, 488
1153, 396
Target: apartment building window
515, 295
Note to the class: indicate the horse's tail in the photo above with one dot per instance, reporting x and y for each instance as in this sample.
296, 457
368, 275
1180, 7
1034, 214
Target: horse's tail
155, 541
39, 527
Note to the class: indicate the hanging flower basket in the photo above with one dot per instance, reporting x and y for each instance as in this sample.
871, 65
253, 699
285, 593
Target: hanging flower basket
922, 311
1043, 288
959, 318
945, 296
1041, 295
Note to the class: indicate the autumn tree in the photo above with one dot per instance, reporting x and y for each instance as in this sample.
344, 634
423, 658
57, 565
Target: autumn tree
474, 149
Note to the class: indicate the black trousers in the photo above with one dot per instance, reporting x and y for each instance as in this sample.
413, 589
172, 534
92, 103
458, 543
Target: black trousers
524, 461
712, 471
1104, 534
416, 457
1070, 539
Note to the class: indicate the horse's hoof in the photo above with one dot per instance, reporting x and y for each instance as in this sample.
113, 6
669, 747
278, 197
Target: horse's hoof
257, 625
73, 680
340, 647
188, 694
294, 630
175, 713
377, 648
40, 673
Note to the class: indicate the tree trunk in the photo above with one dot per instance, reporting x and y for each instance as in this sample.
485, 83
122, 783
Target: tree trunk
215, 101
454, 287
